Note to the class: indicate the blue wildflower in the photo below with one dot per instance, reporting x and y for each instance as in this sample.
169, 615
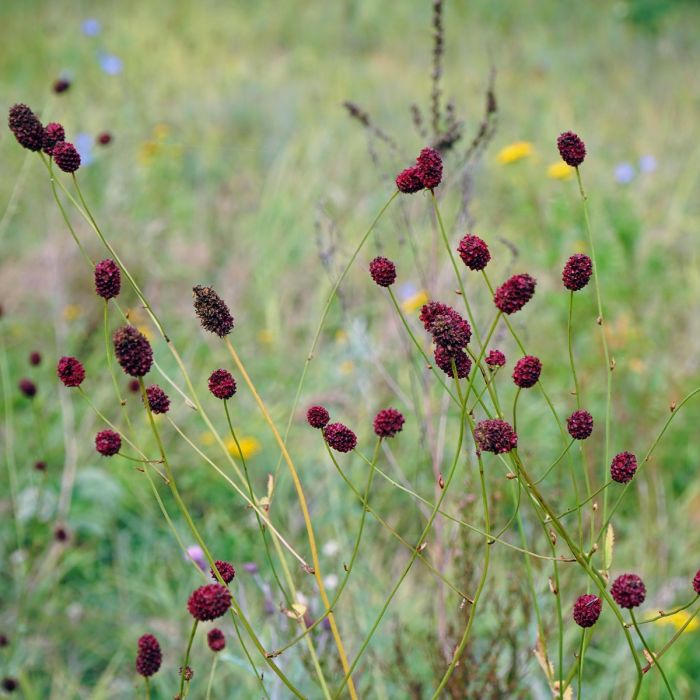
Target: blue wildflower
91, 26
111, 64
624, 173
83, 144
647, 164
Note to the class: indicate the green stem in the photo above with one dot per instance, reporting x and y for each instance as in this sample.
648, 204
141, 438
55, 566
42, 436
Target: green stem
211, 676
183, 670
651, 653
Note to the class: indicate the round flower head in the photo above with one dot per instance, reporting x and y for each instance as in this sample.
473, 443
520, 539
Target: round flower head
383, 271
222, 384
623, 467
514, 293
495, 359
444, 358
61, 85
577, 272
388, 422
339, 437
447, 327
571, 149
105, 138
587, 610
34, 358
209, 602
108, 443
696, 583
40, 465
527, 371
216, 639
158, 400
70, 371
148, 655
26, 127
317, 417
212, 311
628, 591
108, 279
134, 386
495, 436
225, 569
429, 168
408, 182
10, 684
474, 252
27, 387
53, 133
60, 534
133, 351
66, 157
580, 425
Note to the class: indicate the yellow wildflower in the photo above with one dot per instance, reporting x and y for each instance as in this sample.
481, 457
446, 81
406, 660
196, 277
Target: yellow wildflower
161, 131
71, 312
147, 152
265, 336
341, 337
560, 171
207, 439
146, 331
679, 619
415, 301
346, 367
250, 446
515, 152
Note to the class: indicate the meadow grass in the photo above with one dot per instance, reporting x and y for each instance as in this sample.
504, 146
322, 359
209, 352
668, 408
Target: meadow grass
234, 164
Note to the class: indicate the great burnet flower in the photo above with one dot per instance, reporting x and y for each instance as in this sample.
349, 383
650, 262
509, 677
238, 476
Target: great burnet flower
70, 371
158, 400
448, 328
580, 425
429, 168
474, 252
495, 359
222, 384
27, 387
587, 610
628, 591
514, 293
216, 639
108, 443
527, 371
209, 602
339, 437
26, 127
408, 181
388, 422
133, 351
445, 358
53, 133
382, 271
108, 279
66, 156
225, 569
317, 417
577, 272
495, 435
571, 148
148, 655
623, 467
213, 313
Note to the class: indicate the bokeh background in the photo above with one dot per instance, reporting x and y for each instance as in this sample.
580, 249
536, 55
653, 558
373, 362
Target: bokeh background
233, 162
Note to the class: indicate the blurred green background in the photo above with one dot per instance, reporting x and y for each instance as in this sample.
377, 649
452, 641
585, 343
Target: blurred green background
234, 163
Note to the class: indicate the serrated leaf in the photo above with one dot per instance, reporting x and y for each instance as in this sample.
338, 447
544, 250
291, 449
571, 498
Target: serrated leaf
608, 547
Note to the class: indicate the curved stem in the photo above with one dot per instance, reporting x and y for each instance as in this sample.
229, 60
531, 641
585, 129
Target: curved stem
655, 659
183, 669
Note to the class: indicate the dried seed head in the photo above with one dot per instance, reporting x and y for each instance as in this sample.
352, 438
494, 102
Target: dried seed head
495, 436
133, 351
212, 311
70, 371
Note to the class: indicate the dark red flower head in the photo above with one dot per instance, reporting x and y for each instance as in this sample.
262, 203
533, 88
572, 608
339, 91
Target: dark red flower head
696, 583
216, 639
10, 684
495, 359
53, 133
623, 467
447, 327
148, 656
105, 138
27, 387
571, 149
225, 569
60, 534
26, 127
474, 252
339, 437
209, 602
444, 358
495, 436
429, 168
317, 417
70, 371
408, 181
587, 610
628, 591
66, 157
383, 271
514, 293
158, 400
580, 425
61, 85
212, 311
388, 422
133, 351
527, 371
222, 384
134, 386
577, 272
34, 358
108, 279
40, 465
108, 443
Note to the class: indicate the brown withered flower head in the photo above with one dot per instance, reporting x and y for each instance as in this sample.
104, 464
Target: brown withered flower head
212, 311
